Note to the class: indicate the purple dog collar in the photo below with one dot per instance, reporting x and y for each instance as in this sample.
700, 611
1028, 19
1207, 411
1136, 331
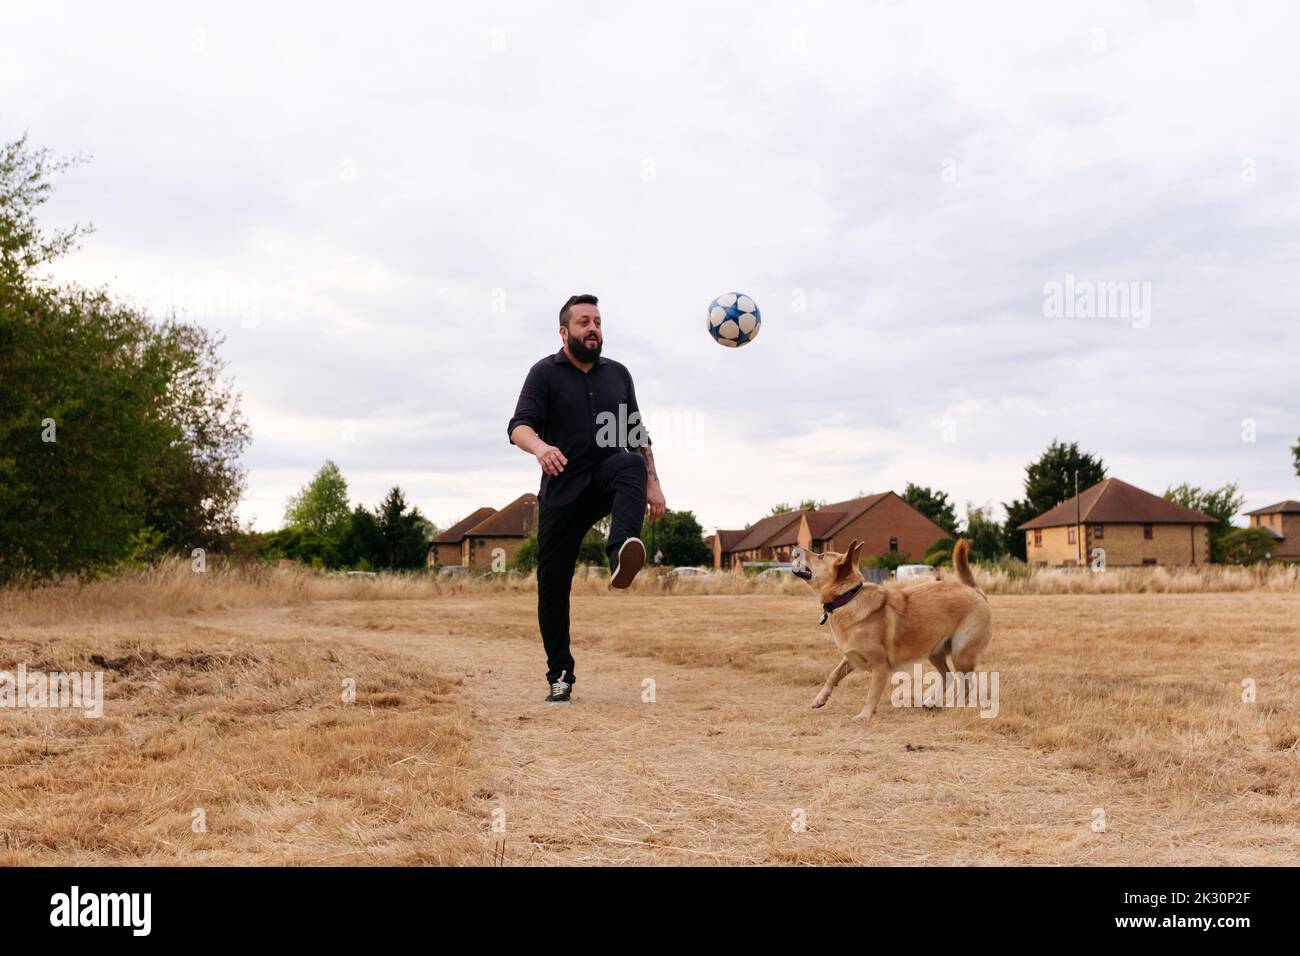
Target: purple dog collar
829, 608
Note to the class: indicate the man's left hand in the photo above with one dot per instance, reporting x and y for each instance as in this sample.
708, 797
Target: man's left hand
654, 498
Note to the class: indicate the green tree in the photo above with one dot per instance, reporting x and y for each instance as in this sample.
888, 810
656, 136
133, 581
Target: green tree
322, 504
195, 485
1222, 504
1049, 481
1246, 545
784, 507
984, 534
114, 430
679, 536
934, 504
26, 183
401, 533
1295, 457
362, 543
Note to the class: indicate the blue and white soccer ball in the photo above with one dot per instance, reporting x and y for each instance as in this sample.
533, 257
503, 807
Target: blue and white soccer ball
734, 320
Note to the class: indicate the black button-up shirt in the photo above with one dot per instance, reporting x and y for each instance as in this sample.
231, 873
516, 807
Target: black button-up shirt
589, 416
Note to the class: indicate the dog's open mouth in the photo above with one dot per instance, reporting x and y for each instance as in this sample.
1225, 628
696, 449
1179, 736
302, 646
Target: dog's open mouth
800, 569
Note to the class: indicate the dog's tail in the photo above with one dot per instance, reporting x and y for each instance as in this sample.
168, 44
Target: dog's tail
961, 563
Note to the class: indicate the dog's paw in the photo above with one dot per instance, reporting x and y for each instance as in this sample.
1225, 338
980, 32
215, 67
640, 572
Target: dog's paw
863, 717
819, 701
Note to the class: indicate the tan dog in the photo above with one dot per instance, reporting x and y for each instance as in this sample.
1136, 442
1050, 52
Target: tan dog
880, 630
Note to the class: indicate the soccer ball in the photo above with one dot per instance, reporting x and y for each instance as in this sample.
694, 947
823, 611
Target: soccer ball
734, 320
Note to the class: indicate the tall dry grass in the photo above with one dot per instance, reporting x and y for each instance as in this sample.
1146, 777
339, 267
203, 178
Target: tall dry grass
1200, 579
171, 588
221, 749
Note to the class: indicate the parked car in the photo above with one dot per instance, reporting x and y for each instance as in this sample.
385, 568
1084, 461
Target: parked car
775, 571
362, 574
454, 570
916, 573
695, 574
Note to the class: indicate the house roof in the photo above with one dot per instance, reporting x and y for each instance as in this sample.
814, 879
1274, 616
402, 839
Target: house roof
823, 523
766, 528
456, 533
788, 534
820, 523
849, 511
727, 538
1116, 502
1282, 507
515, 520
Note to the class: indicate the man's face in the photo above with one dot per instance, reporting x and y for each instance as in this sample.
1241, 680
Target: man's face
583, 336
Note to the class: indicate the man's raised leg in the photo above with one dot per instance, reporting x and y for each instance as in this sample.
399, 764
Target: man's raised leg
621, 480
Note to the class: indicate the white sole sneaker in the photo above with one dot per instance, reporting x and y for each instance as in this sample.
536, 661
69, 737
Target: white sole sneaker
631, 558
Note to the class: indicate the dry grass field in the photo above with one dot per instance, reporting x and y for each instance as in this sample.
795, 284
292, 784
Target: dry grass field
225, 696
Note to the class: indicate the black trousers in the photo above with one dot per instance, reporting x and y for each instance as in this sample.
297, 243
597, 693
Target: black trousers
618, 487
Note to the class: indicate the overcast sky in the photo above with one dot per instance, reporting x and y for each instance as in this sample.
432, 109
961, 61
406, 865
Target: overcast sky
382, 207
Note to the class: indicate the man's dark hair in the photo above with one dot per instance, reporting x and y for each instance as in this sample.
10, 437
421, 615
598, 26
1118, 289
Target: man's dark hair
585, 299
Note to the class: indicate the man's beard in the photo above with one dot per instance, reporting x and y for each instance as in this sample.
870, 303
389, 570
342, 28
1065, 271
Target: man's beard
582, 352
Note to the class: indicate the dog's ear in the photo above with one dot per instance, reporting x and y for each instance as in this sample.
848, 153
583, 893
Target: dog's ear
849, 562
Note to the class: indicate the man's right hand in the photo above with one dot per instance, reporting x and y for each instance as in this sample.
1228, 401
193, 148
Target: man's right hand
551, 459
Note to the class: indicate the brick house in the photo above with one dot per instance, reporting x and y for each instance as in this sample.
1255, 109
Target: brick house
1282, 521
1132, 526
764, 540
723, 546
883, 523
446, 549
473, 541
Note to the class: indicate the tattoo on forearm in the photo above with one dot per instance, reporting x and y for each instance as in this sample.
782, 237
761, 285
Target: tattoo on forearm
649, 457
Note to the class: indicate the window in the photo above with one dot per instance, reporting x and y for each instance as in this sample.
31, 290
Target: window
1098, 531
1038, 537
1149, 561
1147, 532
893, 544
1074, 536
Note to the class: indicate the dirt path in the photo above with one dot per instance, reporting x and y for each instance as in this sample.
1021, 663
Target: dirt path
727, 765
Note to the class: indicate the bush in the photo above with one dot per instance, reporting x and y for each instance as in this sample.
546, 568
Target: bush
590, 552
1246, 545
889, 559
939, 553
302, 544
526, 554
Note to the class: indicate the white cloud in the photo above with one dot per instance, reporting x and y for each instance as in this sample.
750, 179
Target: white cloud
348, 192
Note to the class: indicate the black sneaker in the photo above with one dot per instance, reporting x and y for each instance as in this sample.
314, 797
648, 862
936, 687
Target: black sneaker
631, 557
561, 691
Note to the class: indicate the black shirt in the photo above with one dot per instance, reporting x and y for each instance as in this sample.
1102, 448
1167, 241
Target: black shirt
579, 413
